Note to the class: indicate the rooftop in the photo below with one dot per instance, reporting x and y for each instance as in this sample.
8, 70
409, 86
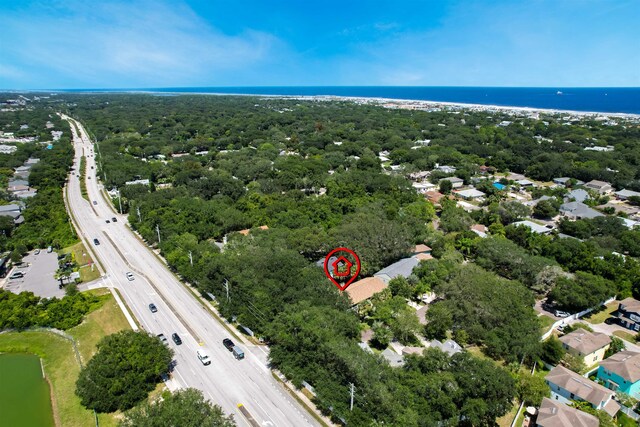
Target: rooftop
365, 289
631, 304
471, 193
536, 228
585, 342
403, 268
582, 388
556, 414
624, 363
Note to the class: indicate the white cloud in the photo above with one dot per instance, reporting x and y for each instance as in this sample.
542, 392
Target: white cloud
141, 44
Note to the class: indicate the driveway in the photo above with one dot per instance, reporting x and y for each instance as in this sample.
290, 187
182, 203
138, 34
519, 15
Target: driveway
38, 276
610, 329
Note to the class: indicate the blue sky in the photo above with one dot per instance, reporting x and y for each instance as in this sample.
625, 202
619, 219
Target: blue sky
137, 44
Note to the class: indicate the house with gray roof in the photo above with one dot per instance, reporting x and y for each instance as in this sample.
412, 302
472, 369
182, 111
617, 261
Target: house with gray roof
578, 210
590, 347
402, 268
556, 414
625, 194
578, 195
394, 359
449, 346
535, 228
567, 386
601, 187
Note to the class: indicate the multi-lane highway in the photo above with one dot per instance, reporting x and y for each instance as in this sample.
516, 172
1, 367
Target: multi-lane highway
226, 381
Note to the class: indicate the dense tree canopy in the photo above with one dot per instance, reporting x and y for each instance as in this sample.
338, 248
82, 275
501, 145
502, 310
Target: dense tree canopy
126, 367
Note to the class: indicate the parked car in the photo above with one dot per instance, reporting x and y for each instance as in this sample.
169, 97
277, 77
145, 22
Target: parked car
95, 202
203, 356
560, 313
17, 275
228, 344
153, 307
96, 242
176, 338
163, 339
237, 352
49, 249
114, 219
130, 276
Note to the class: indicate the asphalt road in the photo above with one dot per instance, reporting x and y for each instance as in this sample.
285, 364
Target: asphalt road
226, 381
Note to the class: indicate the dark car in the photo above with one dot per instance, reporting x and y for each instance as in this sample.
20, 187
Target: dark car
228, 344
95, 202
176, 338
153, 308
114, 219
107, 221
96, 242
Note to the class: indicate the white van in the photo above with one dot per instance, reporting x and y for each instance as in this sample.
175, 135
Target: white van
204, 357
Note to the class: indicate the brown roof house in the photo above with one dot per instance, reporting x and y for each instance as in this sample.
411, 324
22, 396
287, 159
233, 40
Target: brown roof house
364, 289
556, 414
589, 346
567, 386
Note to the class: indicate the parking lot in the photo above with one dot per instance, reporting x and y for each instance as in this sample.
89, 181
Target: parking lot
38, 277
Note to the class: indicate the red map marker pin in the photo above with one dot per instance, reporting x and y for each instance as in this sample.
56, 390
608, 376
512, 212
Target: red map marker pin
338, 266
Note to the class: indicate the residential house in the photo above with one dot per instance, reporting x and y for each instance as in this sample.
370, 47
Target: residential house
138, 182
423, 187
525, 183
445, 169
14, 211
246, 231
621, 372
577, 210
470, 194
535, 228
454, 180
588, 346
578, 195
449, 346
555, 414
422, 252
480, 229
402, 268
395, 360
561, 181
7, 149
515, 177
567, 386
364, 289
625, 194
434, 196
601, 187
629, 313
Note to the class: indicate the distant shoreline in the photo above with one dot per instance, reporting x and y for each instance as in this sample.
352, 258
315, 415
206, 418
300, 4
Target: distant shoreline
370, 100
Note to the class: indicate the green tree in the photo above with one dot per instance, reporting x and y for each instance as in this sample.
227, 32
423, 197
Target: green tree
126, 367
445, 186
545, 209
439, 321
187, 408
616, 346
532, 389
552, 350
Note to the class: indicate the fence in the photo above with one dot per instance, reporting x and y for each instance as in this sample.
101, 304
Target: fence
574, 316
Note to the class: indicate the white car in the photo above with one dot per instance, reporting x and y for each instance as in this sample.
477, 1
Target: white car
560, 313
130, 276
203, 356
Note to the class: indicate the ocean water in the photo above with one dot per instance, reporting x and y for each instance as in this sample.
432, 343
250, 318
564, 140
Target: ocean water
606, 100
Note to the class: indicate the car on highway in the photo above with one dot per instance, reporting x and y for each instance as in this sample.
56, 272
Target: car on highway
176, 338
107, 221
228, 344
130, 276
203, 356
237, 352
96, 242
114, 219
163, 339
153, 307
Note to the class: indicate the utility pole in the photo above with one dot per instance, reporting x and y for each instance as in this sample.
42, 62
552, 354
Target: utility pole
191, 258
353, 390
226, 286
158, 231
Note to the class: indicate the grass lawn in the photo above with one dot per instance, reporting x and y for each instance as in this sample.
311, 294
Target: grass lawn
546, 322
603, 315
82, 258
60, 363
625, 336
507, 419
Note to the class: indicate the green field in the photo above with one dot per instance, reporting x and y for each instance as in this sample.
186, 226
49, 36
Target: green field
24, 394
61, 365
